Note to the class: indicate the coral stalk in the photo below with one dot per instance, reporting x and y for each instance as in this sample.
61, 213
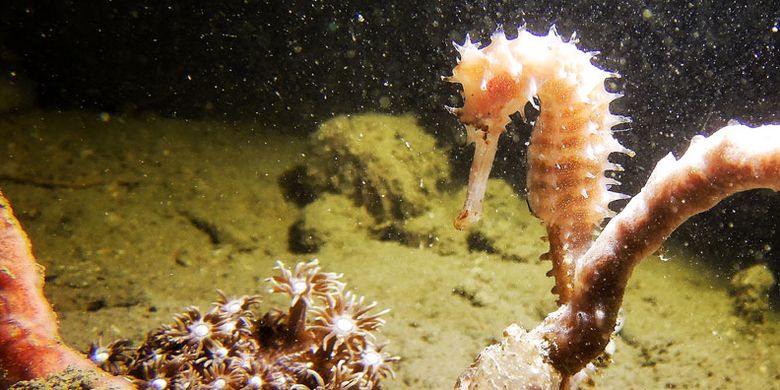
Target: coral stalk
30, 345
735, 158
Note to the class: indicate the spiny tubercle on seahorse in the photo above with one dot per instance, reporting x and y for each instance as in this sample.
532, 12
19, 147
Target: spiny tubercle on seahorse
570, 142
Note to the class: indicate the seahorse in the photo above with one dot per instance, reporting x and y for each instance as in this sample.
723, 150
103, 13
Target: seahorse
570, 142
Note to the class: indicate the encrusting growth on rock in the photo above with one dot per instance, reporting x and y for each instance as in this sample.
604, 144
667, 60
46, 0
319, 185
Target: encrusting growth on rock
325, 340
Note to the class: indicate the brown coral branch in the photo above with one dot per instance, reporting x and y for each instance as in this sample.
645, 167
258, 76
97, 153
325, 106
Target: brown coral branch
734, 159
30, 345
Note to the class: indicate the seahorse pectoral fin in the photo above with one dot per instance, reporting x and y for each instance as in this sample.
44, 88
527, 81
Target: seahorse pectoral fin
486, 143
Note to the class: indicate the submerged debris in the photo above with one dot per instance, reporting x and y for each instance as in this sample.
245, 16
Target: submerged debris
325, 340
387, 164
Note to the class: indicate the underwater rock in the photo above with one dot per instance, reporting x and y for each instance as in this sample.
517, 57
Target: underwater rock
750, 288
330, 218
506, 216
387, 164
388, 168
433, 230
496, 235
296, 188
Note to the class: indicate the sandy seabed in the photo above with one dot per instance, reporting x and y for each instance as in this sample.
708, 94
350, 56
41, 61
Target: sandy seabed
115, 208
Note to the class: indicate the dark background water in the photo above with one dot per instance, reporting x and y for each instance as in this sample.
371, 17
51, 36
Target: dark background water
687, 67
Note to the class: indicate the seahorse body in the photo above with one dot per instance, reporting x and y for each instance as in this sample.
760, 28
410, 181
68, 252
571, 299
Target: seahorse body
570, 142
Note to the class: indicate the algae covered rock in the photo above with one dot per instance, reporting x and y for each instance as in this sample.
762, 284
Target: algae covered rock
507, 228
331, 218
750, 288
381, 175
387, 164
433, 229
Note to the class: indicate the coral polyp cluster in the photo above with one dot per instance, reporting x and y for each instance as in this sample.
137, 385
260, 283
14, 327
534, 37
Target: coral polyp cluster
324, 340
346, 322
